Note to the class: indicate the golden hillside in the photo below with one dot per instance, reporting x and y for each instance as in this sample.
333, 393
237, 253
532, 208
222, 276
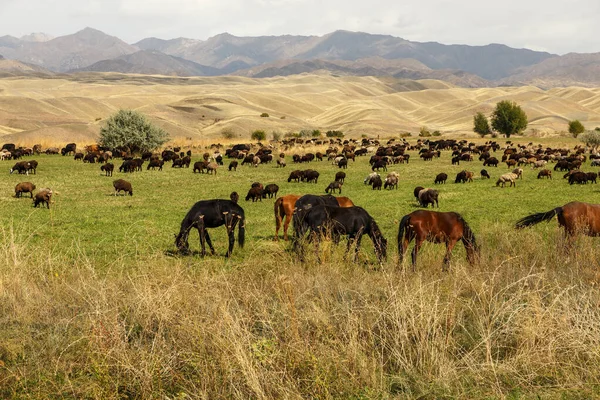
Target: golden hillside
62, 109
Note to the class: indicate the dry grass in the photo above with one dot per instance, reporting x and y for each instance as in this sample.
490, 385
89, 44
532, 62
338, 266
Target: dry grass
60, 110
524, 323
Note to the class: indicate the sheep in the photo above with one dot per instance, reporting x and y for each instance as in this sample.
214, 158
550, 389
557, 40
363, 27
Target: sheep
235, 197
122, 185
24, 187
108, 168
41, 197
333, 186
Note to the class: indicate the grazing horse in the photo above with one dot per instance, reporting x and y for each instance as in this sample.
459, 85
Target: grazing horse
575, 217
436, 227
303, 204
284, 208
352, 222
211, 214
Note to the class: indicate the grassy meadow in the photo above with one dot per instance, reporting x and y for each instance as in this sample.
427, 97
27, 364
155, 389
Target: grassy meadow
94, 306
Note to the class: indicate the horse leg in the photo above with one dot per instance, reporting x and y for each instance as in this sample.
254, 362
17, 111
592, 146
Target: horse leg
357, 248
209, 242
286, 224
449, 246
418, 244
201, 231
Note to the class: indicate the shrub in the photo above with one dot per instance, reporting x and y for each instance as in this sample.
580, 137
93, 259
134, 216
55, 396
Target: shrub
591, 138
481, 125
316, 133
264, 115
436, 133
339, 134
258, 135
128, 128
405, 134
228, 133
424, 132
276, 135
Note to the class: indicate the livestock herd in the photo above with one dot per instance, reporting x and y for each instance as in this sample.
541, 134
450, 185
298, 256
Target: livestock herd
316, 216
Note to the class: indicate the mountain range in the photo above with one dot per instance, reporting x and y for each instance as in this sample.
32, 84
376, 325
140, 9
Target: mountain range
337, 53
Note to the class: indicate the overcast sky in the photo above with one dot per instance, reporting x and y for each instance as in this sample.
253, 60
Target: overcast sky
549, 25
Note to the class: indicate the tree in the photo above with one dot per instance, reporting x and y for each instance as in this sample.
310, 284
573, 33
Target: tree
576, 127
508, 118
258, 135
481, 125
590, 138
128, 128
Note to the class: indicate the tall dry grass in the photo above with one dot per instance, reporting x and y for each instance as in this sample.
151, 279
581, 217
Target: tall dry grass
524, 322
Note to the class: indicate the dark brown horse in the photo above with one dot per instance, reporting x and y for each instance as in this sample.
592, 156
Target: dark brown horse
574, 217
284, 208
436, 227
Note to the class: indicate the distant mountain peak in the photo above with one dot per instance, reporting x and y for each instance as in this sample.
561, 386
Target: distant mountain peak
36, 37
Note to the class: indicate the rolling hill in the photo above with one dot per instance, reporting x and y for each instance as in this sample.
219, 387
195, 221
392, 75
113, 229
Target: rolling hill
72, 108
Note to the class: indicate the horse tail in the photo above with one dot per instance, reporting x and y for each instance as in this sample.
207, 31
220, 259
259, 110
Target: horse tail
537, 218
242, 230
279, 213
404, 225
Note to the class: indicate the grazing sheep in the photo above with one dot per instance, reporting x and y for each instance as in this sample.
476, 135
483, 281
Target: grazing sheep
333, 186
108, 168
255, 193
235, 197
270, 190
511, 177
441, 178
428, 196
24, 187
281, 162
367, 180
376, 182
484, 174
343, 163
155, 163
518, 172
22, 167
211, 167
41, 197
416, 192
391, 181
545, 173
233, 165
122, 185
340, 176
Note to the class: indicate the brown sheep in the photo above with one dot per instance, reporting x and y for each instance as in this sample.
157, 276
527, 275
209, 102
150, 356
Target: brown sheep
41, 197
333, 186
108, 168
235, 197
122, 185
24, 187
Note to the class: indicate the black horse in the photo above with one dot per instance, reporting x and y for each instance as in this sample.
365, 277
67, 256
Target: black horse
303, 204
352, 222
211, 214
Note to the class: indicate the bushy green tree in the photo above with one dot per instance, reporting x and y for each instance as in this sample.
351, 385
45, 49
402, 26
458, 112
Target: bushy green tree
132, 129
590, 138
481, 125
576, 127
258, 135
508, 118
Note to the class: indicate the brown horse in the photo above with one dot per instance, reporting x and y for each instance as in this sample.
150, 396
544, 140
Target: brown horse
284, 208
436, 227
574, 216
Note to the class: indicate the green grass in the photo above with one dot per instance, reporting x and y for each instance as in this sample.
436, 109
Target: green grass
92, 305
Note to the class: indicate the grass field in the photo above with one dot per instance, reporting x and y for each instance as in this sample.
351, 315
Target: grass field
92, 305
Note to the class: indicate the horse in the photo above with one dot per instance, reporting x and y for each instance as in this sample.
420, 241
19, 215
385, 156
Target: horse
211, 214
284, 208
574, 217
436, 227
352, 222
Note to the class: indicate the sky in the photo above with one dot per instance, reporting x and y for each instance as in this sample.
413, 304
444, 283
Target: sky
557, 27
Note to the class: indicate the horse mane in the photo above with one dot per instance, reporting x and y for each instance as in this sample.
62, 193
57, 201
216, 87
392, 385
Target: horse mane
468, 238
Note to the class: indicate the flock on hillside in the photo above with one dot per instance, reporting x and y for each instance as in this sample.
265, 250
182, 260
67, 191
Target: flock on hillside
315, 217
